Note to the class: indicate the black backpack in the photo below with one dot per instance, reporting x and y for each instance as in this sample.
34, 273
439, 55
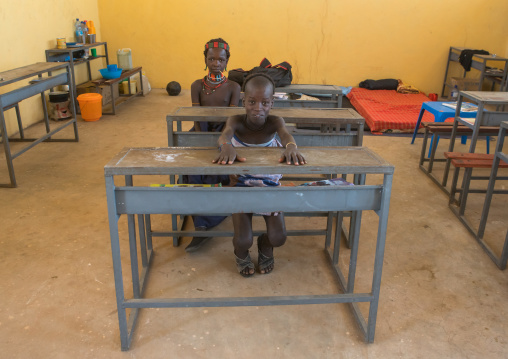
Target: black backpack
280, 73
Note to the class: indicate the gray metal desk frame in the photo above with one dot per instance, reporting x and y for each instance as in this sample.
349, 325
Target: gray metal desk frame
344, 126
334, 91
12, 98
483, 118
499, 155
490, 131
339, 127
140, 201
479, 62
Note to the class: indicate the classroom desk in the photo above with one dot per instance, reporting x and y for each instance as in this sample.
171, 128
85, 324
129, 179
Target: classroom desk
137, 201
45, 80
335, 93
344, 126
337, 127
499, 156
483, 118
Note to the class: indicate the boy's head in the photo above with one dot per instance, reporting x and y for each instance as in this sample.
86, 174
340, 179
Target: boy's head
258, 80
258, 96
216, 55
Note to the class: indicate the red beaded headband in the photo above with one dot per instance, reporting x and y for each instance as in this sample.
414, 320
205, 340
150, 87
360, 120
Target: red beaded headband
220, 45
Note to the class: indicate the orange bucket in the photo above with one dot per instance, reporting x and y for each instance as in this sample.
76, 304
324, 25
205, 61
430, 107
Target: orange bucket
91, 106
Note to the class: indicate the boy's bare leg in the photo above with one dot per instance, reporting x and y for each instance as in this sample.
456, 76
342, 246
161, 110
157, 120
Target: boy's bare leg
242, 239
276, 237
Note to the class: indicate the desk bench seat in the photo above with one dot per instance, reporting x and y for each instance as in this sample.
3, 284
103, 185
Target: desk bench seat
441, 128
469, 161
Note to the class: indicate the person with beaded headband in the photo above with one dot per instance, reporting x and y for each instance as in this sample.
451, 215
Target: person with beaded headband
215, 89
257, 128
212, 90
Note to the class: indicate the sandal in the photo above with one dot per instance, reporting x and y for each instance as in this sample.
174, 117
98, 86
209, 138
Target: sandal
264, 262
242, 264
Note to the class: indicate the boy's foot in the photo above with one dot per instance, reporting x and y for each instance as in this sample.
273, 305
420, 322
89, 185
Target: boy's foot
196, 243
266, 261
245, 266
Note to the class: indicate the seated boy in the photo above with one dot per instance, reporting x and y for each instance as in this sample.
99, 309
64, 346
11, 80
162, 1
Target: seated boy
212, 90
257, 128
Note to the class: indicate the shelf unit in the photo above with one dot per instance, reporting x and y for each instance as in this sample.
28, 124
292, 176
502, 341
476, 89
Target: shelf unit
482, 64
60, 55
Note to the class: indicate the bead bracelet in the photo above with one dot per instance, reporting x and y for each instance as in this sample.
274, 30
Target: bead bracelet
225, 143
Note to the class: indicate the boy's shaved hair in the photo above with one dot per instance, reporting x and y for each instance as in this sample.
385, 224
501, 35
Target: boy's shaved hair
259, 79
219, 39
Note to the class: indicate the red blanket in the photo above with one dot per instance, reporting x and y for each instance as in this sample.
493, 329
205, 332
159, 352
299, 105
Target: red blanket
386, 110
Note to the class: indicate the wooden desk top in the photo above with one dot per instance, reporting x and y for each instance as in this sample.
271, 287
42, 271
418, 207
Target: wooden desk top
487, 57
123, 76
24, 72
487, 97
76, 48
189, 161
307, 115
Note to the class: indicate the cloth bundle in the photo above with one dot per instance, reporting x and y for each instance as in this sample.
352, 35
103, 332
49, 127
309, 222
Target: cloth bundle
407, 89
466, 57
386, 84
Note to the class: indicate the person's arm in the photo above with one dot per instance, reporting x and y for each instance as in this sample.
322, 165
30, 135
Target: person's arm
227, 153
195, 90
291, 153
235, 95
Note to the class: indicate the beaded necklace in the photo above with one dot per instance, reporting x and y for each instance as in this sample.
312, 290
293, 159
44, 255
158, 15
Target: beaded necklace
216, 81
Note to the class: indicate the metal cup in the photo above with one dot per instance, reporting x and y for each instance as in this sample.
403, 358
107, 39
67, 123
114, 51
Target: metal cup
60, 43
90, 38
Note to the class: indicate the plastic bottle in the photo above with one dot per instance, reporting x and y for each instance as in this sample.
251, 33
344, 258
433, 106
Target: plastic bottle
85, 29
124, 57
78, 31
455, 92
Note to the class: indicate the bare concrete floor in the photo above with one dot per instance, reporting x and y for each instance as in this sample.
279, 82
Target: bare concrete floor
441, 296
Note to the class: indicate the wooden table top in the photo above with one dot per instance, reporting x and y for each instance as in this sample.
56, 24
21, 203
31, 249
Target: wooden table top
221, 114
314, 89
20, 73
487, 97
185, 160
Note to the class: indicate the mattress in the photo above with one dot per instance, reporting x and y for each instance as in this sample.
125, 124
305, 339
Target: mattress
388, 110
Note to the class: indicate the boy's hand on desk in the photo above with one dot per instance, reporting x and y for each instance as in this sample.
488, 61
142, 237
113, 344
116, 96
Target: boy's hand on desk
227, 155
291, 155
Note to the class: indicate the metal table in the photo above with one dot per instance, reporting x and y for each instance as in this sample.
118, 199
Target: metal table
335, 92
137, 201
11, 99
337, 127
343, 126
483, 118
499, 156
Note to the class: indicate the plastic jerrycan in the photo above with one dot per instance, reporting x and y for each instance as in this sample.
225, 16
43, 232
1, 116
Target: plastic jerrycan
124, 57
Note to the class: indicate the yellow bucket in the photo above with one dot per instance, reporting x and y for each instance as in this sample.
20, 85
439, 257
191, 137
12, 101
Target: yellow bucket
91, 106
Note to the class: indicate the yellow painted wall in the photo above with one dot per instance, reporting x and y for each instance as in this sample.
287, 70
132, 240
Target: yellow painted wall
327, 41
27, 29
